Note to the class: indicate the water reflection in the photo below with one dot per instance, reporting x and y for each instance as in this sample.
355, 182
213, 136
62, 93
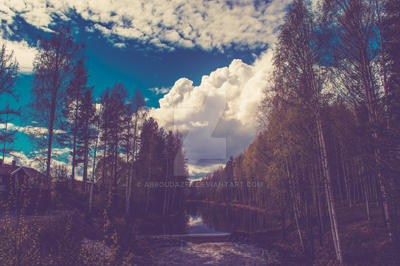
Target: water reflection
201, 218
196, 225
164, 225
228, 219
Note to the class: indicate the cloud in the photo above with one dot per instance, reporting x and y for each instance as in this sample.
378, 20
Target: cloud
30, 130
60, 151
120, 45
161, 90
196, 170
37, 159
36, 162
218, 118
199, 124
23, 53
21, 160
175, 23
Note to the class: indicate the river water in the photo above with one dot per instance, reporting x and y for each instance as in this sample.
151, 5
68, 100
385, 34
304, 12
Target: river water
210, 228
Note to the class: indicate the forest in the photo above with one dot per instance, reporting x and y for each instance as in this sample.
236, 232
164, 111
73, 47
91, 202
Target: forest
323, 169
331, 140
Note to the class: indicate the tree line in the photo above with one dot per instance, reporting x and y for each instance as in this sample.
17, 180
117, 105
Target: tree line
113, 142
331, 123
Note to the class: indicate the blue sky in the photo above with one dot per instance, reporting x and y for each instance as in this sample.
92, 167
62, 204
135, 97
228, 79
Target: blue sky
200, 64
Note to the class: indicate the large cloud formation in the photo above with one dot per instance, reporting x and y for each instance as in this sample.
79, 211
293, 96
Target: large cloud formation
219, 117
184, 23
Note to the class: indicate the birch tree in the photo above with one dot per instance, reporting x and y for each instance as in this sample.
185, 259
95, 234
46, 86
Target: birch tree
391, 36
358, 24
298, 57
132, 116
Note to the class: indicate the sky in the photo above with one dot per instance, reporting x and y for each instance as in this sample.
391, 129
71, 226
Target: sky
201, 65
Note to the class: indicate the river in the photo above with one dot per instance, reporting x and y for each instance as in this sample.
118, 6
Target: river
211, 235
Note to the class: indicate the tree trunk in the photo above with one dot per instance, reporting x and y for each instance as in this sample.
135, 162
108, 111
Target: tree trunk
328, 190
372, 116
128, 178
129, 195
73, 161
346, 181
93, 170
5, 134
296, 211
50, 140
103, 175
366, 198
383, 64
75, 130
85, 163
54, 95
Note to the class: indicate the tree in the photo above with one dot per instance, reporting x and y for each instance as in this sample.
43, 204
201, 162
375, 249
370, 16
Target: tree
113, 105
8, 76
391, 37
87, 132
52, 73
8, 70
7, 136
359, 29
299, 84
78, 112
112, 128
162, 169
175, 172
130, 141
331, 137
149, 156
96, 122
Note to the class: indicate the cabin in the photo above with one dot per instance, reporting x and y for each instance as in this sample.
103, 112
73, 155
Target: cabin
22, 187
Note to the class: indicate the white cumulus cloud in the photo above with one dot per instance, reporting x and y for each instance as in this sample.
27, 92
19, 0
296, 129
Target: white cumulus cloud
218, 118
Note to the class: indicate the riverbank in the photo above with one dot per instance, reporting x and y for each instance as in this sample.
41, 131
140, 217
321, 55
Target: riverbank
363, 242
234, 205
